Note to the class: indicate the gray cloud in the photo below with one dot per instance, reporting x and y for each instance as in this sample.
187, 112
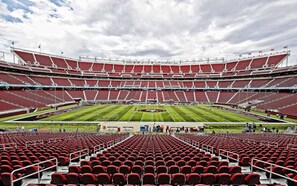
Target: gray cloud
159, 29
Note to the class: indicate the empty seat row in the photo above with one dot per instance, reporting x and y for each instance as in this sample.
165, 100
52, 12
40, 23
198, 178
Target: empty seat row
149, 178
125, 169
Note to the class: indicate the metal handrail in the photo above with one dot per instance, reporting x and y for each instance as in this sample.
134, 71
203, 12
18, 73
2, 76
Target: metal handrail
187, 140
274, 143
98, 148
79, 156
292, 146
195, 143
269, 143
8, 146
208, 148
35, 142
249, 140
270, 171
54, 140
113, 142
227, 155
110, 143
34, 173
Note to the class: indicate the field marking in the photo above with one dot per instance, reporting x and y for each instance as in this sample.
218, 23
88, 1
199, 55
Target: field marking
174, 113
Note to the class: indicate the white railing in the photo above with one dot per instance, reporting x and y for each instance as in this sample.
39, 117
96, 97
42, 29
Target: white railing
187, 140
195, 143
69, 137
249, 140
110, 143
118, 140
51, 140
228, 155
292, 146
81, 153
98, 148
34, 173
270, 169
269, 143
35, 142
207, 148
5, 146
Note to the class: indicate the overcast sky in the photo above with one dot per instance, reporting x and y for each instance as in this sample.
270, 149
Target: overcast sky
149, 29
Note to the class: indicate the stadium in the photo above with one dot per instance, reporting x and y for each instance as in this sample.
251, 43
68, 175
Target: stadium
132, 120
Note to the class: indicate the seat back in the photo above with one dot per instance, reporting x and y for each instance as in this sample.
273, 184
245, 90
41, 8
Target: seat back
178, 179
119, 179
58, 178
223, 178
193, 178
237, 178
72, 178
134, 178
252, 179
103, 178
88, 178
208, 178
125, 169
148, 178
163, 178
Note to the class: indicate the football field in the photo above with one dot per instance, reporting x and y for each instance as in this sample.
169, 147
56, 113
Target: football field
151, 113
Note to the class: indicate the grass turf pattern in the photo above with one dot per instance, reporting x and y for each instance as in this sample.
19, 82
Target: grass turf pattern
172, 113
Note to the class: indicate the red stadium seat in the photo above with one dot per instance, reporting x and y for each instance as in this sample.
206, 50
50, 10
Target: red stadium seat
237, 178
163, 178
134, 179
193, 178
99, 169
148, 178
178, 179
252, 179
119, 179
88, 178
223, 178
72, 178
208, 178
58, 178
103, 178
125, 169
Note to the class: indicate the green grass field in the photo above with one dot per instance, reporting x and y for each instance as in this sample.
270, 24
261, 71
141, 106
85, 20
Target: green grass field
200, 113
174, 113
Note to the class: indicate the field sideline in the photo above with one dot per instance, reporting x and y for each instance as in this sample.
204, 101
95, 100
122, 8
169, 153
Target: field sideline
169, 113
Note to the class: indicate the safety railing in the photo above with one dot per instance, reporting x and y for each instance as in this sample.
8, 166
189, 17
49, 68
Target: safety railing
187, 140
292, 146
98, 148
35, 142
225, 153
5, 146
118, 140
269, 143
126, 136
39, 170
195, 143
249, 141
81, 153
270, 171
121, 138
207, 148
51, 140
70, 137
110, 143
